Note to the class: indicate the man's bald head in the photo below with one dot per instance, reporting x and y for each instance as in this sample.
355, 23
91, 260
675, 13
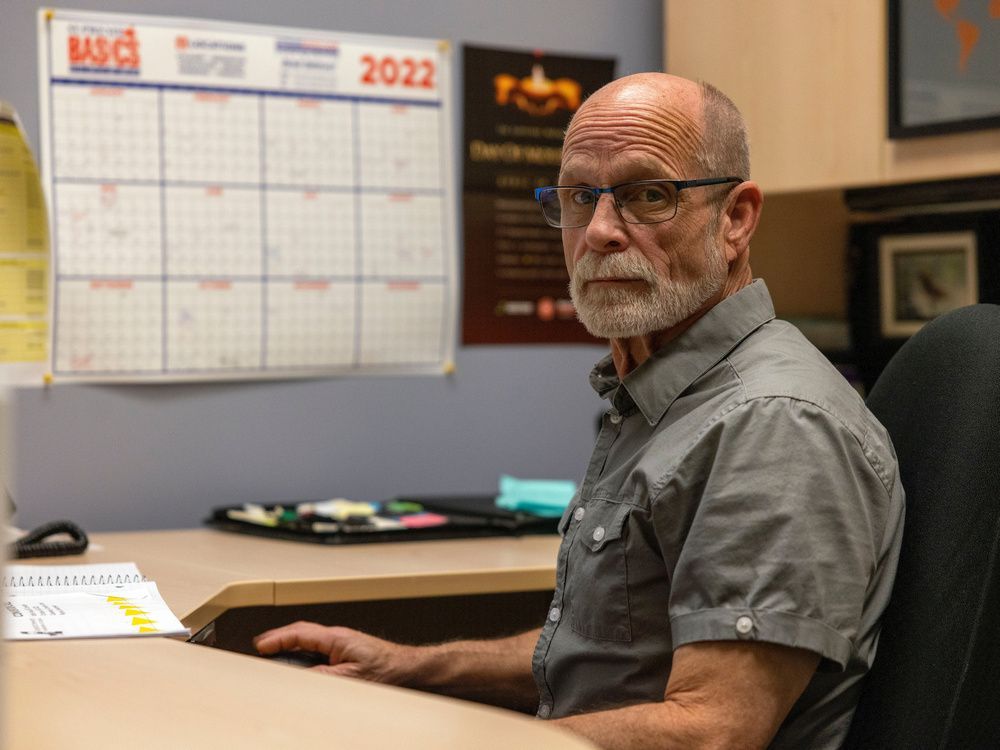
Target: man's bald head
669, 90
705, 126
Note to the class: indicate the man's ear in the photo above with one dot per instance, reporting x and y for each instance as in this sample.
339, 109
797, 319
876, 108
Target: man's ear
740, 217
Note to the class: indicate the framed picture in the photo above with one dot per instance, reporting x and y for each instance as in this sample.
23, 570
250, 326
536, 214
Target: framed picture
943, 63
922, 276
906, 270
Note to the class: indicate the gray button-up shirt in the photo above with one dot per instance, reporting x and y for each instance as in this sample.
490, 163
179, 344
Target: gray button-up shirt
739, 490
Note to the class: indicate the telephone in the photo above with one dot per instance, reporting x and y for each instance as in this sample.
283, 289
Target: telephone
37, 543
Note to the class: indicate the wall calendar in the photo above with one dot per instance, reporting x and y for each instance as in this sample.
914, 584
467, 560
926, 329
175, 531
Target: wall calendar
238, 201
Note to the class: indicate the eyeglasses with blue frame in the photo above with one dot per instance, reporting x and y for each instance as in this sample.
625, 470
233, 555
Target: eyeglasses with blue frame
639, 202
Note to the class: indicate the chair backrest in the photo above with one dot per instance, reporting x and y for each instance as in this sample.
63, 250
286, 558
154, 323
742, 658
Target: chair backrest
935, 682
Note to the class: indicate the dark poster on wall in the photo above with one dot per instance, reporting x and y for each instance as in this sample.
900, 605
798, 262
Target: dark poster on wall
517, 107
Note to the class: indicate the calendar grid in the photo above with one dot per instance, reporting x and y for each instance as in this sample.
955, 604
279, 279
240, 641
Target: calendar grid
164, 287
351, 278
262, 114
203, 228
442, 177
319, 188
358, 239
250, 91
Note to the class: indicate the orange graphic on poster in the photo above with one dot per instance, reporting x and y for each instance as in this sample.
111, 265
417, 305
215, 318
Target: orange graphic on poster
546, 308
536, 94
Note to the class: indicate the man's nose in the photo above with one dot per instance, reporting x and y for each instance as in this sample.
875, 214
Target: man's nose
606, 231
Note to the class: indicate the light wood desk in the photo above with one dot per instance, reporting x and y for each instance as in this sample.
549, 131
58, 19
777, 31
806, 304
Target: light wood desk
162, 693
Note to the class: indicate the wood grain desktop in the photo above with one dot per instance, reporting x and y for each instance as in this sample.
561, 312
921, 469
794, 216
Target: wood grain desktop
164, 693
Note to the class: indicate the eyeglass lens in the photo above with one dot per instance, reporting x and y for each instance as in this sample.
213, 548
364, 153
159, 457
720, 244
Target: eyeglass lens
638, 203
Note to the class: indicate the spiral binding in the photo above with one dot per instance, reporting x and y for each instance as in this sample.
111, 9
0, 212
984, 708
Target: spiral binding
76, 580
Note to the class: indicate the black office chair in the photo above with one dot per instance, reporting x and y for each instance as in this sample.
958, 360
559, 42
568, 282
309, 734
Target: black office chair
935, 682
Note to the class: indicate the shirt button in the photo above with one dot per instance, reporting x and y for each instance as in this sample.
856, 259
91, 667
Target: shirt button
598, 533
615, 417
544, 711
554, 614
578, 514
744, 625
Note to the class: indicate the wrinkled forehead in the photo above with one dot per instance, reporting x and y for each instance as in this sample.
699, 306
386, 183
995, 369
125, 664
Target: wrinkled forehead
648, 132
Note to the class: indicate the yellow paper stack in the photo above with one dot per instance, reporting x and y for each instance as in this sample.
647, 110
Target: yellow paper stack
24, 248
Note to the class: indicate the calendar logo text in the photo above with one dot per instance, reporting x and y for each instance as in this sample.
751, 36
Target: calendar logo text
104, 52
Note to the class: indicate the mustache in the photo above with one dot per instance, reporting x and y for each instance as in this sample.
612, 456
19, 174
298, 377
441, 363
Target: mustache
616, 265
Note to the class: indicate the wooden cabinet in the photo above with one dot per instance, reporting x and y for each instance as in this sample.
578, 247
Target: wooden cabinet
810, 77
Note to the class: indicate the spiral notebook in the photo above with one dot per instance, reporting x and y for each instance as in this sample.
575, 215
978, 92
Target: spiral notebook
43, 602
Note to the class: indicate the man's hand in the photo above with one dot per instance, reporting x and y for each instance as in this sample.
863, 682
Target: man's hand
351, 653
495, 671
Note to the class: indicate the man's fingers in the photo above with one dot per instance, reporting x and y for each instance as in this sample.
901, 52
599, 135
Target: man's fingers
349, 653
299, 636
344, 669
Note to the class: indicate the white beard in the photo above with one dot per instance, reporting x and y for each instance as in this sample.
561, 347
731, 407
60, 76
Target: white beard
625, 312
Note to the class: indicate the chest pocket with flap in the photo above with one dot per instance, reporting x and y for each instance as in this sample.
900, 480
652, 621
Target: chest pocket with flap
596, 599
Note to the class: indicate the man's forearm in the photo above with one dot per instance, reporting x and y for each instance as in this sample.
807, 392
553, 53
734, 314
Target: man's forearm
663, 726
719, 695
492, 671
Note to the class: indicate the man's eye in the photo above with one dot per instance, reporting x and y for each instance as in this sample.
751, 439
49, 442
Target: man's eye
645, 194
582, 197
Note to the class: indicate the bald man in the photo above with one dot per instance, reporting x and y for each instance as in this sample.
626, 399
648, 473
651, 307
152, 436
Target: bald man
726, 562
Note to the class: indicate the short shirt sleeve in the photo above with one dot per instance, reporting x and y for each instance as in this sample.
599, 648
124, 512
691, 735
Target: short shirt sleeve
771, 523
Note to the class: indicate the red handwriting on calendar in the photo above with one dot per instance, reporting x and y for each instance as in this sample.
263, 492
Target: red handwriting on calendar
390, 71
103, 51
114, 284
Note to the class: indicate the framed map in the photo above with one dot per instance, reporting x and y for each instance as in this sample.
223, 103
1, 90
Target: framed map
944, 66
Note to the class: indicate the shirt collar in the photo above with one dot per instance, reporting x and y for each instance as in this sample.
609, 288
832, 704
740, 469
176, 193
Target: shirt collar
657, 382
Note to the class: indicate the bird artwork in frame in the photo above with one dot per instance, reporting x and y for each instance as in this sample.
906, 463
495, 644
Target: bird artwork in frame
924, 275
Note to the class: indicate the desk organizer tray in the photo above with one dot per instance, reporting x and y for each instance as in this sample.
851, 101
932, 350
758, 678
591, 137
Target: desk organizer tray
401, 520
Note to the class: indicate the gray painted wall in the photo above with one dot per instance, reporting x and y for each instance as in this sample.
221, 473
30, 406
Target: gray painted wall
146, 457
